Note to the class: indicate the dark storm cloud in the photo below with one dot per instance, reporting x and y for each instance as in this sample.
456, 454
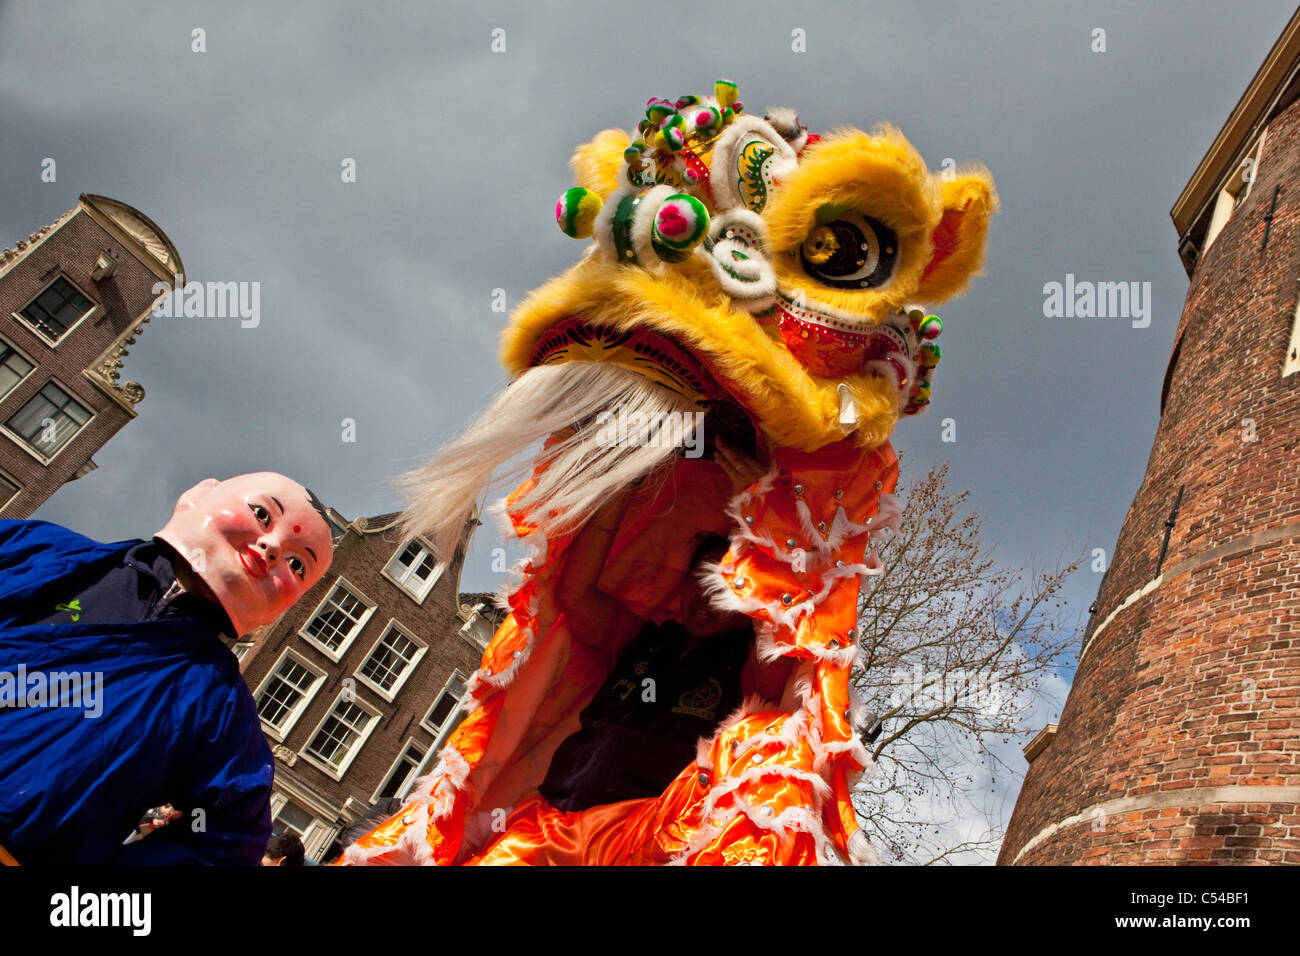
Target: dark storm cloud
376, 296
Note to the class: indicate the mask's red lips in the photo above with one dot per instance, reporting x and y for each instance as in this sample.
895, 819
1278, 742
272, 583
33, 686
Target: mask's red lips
253, 562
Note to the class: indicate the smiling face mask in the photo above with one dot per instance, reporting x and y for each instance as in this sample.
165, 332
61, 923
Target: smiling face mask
256, 541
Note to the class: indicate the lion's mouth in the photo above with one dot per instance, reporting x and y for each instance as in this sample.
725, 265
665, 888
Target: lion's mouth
832, 346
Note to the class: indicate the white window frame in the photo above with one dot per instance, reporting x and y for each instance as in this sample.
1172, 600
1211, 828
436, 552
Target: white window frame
1291, 361
36, 329
420, 648
438, 731
319, 835
325, 766
410, 743
468, 629
1233, 193
280, 733
22, 443
315, 642
35, 365
417, 596
13, 481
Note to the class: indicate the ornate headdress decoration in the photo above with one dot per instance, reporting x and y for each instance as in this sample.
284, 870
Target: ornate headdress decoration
694, 181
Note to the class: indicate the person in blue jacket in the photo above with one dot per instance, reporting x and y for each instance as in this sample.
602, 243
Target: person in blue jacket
118, 690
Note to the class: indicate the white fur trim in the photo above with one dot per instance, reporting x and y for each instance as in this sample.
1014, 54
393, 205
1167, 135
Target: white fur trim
643, 223
750, 281
784, 160
766, 647
504, 678
704, 753
888, 517
411, 849
853, 747
753, 704
723, 597
861, 852
796, 818
602, 226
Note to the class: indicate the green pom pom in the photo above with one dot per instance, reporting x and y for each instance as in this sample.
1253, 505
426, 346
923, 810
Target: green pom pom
658, 110
575, 213
673, 131
680, 223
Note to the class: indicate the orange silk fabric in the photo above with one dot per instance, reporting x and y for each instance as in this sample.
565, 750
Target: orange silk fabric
773, 785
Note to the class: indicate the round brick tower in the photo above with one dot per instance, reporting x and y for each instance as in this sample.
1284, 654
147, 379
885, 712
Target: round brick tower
1180, 740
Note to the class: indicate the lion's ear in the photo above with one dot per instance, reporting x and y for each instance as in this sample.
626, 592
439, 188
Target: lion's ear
596, 164
958, 240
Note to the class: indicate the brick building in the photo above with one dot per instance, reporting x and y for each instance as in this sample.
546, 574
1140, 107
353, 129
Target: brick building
358, 682
73, 297
1180, 740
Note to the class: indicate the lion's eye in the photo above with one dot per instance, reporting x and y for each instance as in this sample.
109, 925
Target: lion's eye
852, 251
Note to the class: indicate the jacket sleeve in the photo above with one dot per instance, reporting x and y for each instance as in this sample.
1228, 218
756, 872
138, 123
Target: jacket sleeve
226, 816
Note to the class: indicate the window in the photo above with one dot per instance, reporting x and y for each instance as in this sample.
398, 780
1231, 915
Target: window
1291, 364
8, 489
286, 691
391, 660
291, 819
478, 628
49, 420
414, 569
341, 734
442, 715
295, 813
338, 619
1233, 193
57, 309
402, 773
14, 367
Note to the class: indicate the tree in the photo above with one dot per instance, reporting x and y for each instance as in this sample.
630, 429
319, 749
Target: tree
954, 648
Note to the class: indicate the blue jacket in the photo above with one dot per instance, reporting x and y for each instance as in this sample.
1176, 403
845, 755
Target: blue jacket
152, 712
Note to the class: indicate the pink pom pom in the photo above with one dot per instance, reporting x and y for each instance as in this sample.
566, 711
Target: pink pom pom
672, 224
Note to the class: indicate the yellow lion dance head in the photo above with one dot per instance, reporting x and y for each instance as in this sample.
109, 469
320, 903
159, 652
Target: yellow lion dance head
739, 266
785, 262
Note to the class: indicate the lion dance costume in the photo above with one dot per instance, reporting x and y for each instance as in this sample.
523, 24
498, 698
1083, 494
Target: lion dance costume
762, 276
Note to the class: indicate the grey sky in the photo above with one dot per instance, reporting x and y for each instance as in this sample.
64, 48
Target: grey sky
376, 295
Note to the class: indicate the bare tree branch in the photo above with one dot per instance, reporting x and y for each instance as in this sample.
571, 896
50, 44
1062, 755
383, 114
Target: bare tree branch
954, 649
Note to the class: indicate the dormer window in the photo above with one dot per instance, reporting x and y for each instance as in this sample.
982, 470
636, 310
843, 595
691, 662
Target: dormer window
414, 569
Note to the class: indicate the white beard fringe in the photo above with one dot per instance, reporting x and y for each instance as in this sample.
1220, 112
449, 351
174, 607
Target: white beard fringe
583, 472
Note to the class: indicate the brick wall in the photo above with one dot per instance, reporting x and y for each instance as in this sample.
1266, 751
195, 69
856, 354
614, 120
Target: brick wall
69, 250
1180, 741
